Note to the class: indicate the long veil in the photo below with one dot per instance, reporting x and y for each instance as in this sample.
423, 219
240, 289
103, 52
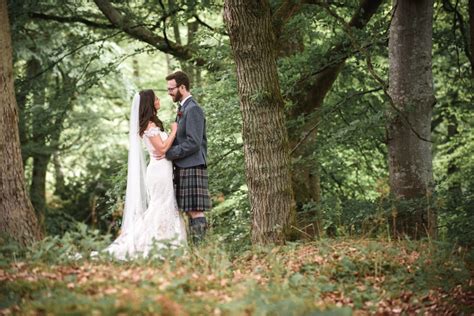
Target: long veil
136, 199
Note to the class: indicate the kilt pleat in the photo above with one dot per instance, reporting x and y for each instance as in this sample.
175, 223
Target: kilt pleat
192, 189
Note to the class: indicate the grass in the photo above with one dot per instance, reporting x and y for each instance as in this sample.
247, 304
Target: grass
326, 277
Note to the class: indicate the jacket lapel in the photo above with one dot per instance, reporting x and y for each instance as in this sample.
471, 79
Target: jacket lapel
181, 109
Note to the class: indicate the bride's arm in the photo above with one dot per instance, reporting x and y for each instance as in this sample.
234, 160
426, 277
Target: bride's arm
162, 146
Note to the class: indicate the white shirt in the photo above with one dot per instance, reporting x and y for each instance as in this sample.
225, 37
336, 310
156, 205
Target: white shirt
182, 102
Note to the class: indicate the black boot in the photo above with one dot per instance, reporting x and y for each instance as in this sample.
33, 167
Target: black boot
198, 228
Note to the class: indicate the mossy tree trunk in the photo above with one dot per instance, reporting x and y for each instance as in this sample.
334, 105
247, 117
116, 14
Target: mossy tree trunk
17, 217
409, 118
266, 151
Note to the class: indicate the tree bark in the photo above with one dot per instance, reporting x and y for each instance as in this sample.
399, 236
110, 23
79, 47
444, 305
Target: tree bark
60, 185
39, 136
265, 138
17, 218
190, 68
38, 185
409, 117
33, 67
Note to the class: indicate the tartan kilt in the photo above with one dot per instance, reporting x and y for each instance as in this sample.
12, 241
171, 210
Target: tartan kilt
192, 188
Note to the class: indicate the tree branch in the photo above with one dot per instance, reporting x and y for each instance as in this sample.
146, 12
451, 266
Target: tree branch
374, 74
70, 19
284, 12
230, 151
198, 19
319, 83
462, 27
142, 33
336, 108
71, 52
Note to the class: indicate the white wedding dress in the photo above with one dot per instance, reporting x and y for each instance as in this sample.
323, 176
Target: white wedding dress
161, 224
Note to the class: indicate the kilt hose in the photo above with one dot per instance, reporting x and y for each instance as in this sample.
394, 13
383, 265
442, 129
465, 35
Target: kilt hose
192, 188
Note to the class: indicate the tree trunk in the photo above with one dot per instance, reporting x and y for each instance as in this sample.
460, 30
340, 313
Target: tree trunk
192, 27
409, 118
264, 133
38, 185
47, 126
307, 181
39, 135
191, 69
17, 218
136, 68
177, 35
177, 38
60, 185
26, 88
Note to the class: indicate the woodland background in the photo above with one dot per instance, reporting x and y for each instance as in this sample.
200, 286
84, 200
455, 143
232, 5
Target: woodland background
311, 107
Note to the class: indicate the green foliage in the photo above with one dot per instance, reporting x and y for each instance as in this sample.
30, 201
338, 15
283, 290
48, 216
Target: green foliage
230, 216
77, 242
231, 221
226, 275
94, 197
112, 201
87, 76
456, 216
80, 241
452, 125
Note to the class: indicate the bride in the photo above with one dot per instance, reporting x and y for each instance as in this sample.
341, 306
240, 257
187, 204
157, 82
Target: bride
151, 217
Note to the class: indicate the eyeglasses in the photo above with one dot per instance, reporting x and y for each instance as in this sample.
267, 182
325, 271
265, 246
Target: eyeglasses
171, 89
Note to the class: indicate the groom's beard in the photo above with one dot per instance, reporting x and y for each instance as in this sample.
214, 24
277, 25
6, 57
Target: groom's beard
177, 97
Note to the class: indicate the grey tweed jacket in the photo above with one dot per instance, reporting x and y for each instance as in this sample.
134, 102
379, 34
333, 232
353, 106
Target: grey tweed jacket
189, 148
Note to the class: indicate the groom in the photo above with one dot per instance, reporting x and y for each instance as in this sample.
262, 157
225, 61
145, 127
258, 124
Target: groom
188, 153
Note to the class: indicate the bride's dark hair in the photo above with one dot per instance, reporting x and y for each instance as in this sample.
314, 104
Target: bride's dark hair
147, 111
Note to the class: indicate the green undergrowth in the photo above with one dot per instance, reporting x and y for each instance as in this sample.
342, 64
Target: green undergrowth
325, 277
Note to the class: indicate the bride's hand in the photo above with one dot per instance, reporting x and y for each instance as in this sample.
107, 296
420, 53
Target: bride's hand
174, 127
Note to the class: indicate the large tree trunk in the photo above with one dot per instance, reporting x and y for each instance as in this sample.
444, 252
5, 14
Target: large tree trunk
17, 218
264, 133
409, 117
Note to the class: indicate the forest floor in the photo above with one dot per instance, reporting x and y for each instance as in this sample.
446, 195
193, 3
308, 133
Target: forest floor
326, 277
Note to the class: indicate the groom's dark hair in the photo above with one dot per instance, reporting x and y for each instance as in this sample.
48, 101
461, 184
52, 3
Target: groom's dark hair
180, 77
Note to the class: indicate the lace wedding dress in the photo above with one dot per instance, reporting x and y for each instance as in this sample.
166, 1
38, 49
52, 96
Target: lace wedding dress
161, 223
